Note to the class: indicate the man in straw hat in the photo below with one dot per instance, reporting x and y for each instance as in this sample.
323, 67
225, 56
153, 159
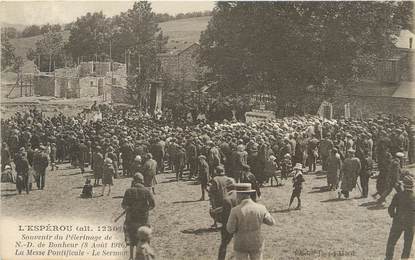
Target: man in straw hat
402, 210
137, 202
245, 222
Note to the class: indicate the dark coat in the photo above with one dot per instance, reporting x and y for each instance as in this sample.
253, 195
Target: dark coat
137, 202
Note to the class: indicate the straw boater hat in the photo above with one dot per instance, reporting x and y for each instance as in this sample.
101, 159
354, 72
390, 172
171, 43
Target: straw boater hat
400, 155
243, 188
298, 166
108, 161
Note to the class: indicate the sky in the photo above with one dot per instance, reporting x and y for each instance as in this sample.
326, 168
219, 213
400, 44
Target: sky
41, 12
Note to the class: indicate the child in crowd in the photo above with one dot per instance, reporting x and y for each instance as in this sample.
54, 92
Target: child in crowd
298, 180
144, 250
87, 190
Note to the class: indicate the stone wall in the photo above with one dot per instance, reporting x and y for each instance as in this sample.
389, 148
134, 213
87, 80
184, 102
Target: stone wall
181, 65
44, 85
88, 87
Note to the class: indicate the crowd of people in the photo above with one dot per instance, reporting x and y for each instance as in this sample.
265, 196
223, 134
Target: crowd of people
221, 156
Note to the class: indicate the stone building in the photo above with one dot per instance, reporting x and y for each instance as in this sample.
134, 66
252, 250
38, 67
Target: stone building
180, 65
88, 79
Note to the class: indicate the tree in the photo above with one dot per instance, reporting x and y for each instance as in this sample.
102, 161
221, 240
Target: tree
49, 52
89, 37
9, 32
283, 47
50, 28
137, 33
31, 30
7, 53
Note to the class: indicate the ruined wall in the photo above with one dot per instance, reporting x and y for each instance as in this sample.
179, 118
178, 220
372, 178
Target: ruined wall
85, 68
101, 68
44, 85
170, 65
181, 66
88, 86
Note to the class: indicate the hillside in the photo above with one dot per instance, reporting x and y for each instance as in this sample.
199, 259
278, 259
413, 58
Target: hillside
180, 32
22, 45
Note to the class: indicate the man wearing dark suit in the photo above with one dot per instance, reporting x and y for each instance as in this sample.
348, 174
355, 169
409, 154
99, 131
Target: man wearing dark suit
228, 203
137, 203
22, 170
402, 210
40, 163
83, 154
191, 155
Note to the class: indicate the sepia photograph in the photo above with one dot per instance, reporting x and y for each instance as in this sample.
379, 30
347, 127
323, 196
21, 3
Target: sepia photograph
143, 130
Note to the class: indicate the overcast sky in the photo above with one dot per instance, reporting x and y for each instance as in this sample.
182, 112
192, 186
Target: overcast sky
41, 12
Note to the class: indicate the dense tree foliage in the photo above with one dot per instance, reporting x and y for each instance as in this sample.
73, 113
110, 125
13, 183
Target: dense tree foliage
9, 32
89, 37
137, 33
283, 47
7, 53
31, 30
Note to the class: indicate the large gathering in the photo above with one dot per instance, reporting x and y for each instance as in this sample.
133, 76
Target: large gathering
208, 130
231, 161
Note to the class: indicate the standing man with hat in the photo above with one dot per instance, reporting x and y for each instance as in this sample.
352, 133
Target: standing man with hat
249, 177
217, 189
149, 172
245, 222
325, 147
402, 210
392, 177
204, 174
137, 202
349, 172
40, 164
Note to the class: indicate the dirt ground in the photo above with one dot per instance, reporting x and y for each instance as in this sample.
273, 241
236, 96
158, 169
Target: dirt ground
181, 223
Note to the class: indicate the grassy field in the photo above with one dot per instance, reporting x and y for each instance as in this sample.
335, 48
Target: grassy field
182, 225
